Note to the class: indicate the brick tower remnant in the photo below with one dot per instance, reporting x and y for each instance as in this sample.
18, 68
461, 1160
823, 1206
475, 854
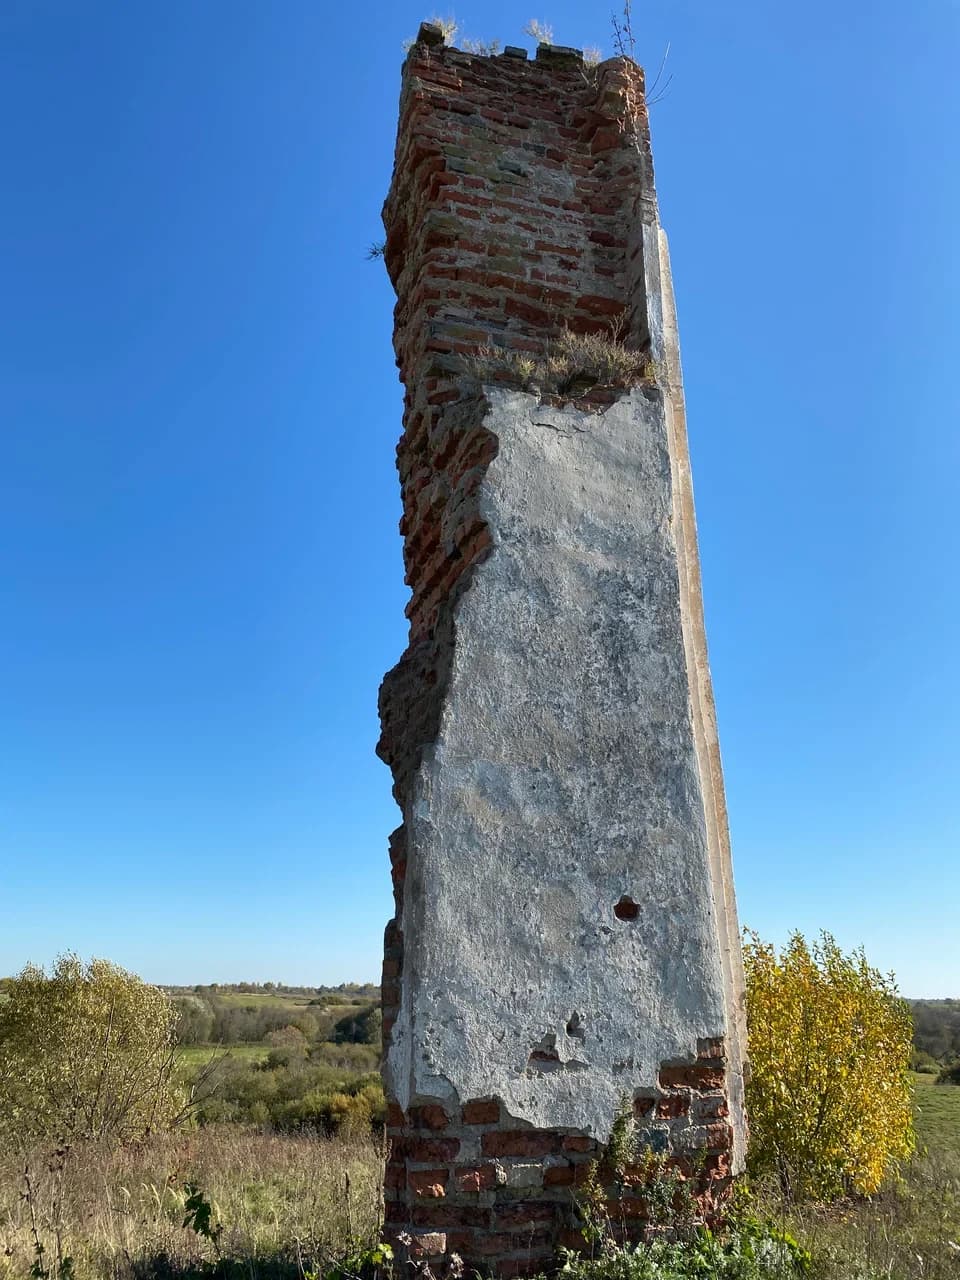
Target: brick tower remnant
565, 934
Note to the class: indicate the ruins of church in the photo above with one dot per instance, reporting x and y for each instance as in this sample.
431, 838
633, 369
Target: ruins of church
565, 948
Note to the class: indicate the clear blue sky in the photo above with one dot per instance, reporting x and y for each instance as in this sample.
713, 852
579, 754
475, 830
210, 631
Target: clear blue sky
202, 582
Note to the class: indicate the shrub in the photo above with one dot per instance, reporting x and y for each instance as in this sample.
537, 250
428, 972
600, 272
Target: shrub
85, 1053
363, 1026
924, 1062
829, 1098
291, 1093
750, 1250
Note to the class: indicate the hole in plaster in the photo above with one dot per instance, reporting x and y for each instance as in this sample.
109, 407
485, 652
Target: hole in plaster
544, 1057
546, 1050
626, 908
575, 1026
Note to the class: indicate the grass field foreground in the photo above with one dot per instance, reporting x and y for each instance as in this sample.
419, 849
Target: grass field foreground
291, 1204
287, 1205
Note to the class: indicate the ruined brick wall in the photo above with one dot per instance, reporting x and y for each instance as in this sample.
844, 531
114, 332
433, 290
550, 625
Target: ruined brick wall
518, 187
522, 205
471, 1180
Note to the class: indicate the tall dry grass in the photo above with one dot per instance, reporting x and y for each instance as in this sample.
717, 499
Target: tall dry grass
910, 1230
289, 1205
286, 1204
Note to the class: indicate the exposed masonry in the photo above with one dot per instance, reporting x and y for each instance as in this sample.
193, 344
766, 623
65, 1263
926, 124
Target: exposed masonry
565, 930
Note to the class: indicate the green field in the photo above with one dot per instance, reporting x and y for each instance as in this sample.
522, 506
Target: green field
938, 1114
195, 1055
262, 1000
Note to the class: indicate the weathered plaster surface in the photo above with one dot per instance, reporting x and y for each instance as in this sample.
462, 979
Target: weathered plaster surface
565, 776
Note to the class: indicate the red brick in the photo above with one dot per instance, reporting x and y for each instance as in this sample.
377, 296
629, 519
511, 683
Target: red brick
572, 1240
524, 1213
475, 1178
690, 1077
523, 311
712, 1106
597, 305
716, 1166
519, 1142
482, 1112
711, 1049
430, 1183
426, 1150
605, 140
719, 1137
460, 1242
578, 1142
429, 1117
673, 1105
428, 1244
450, 1215
491, 1245
643, 1107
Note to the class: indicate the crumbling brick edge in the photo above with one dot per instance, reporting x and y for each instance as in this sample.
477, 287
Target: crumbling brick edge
474, 1181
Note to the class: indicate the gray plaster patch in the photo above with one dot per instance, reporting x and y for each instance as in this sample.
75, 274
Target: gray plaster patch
564, 781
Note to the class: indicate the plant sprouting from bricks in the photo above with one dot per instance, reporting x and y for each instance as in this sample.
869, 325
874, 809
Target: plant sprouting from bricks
623, 1144
542, 32
628, 1172
623, 37
625, 43
449, 27
572, 366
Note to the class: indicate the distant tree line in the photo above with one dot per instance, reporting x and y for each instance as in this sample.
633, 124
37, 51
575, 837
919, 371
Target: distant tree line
936, 1030
345, 993
212, 1019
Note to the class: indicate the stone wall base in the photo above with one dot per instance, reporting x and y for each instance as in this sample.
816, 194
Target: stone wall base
506, 1197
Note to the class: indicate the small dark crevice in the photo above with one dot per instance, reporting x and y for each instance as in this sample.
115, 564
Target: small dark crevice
626, 908
575, 1027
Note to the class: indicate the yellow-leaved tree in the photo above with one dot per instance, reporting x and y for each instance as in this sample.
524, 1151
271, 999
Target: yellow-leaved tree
85, 1053
828, 1100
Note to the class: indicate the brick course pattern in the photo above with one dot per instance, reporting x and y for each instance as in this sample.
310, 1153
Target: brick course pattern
519, 188
475, 1181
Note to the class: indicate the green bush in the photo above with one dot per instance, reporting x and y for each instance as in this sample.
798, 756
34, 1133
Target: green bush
364, 1026
751, 1250
924, 1062
288, 1093
85, 1052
